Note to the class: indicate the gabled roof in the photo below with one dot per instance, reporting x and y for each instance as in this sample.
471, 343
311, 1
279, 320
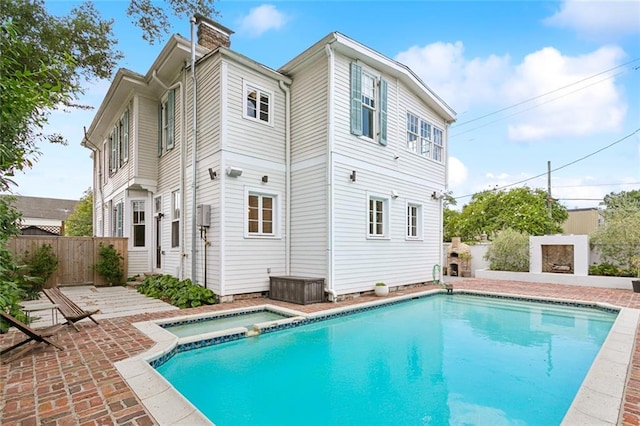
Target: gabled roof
44, 208
351, 48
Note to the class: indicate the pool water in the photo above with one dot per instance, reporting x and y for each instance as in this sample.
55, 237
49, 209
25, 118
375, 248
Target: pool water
433, 361
208, 325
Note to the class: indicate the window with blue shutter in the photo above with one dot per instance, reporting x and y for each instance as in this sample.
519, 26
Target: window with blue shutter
356, 99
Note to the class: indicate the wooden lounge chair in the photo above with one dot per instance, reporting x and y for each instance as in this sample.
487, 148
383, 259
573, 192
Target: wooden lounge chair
69, 310
39, 335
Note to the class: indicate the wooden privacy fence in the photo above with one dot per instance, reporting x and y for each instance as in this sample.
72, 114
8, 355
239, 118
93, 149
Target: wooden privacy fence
76, 256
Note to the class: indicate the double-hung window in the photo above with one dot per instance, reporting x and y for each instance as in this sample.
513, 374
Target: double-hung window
138, 222
166, 122
123, 138
412, 132
425, 138
258, 104
437, 144
175, 218
414, 221
378, 217
368, 104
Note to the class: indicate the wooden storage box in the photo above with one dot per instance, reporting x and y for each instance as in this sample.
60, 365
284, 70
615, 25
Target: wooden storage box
300, 290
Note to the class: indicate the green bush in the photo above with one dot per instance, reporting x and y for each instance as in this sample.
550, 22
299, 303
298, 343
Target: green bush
509, 251
110, 264
183, 294
608, 269
40, 264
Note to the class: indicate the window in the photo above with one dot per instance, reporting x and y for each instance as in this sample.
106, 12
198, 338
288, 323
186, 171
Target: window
261, 214
414, 221
378, 217
137, 209
175, 219
368, 105
428, 142
117, 229
257, 103
166, 122
412, 132
437, 144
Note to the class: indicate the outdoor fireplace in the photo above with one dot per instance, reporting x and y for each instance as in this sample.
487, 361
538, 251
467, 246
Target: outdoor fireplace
458, 259
559, 254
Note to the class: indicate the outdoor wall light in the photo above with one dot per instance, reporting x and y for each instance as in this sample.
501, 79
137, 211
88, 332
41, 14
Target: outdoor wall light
212, 174
394, 194
265, 179
234, 172
353, 176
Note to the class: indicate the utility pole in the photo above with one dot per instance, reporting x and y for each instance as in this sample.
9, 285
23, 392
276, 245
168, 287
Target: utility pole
549, 199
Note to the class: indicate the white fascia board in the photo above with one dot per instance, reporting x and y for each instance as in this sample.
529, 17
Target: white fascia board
256, 66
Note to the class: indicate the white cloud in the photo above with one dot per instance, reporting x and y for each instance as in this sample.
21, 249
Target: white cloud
262, 19
457, 172
594, 105
598, 19
460, 82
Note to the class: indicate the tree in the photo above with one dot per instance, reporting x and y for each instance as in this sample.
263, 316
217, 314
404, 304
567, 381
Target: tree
80, 222
521, 209
45, 60
618, 240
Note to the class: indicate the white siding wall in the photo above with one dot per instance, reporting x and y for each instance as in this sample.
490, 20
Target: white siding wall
145, 138
359, 261
309, 134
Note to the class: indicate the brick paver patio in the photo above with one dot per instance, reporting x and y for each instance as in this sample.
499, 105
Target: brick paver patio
80, 386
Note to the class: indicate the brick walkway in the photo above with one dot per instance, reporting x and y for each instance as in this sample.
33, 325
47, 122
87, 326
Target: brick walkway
80, 386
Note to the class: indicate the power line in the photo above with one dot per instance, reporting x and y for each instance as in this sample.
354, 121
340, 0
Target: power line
547, 93
597, 184
561, 167
531, 107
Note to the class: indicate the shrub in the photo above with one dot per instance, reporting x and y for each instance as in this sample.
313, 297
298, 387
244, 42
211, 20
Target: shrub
509, 251
40, 264
608, 269
183, 294
110, 264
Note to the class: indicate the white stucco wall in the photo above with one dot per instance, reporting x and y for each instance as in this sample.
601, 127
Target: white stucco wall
580, 245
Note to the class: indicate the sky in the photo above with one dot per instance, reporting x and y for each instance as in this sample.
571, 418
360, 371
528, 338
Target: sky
534, 83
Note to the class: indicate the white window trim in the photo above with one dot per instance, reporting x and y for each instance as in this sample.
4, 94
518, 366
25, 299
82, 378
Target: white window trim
376, 112
431, 140
131, 225
175, 218
386, 218
420, 221
245, 90
277, 213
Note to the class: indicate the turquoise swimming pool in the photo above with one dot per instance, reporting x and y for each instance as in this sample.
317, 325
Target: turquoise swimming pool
440, 359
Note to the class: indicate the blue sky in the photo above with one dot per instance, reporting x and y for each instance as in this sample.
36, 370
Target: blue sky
531, 81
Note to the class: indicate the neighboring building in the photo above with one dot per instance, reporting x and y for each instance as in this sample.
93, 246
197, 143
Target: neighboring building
43, 216
582, 221
330, 167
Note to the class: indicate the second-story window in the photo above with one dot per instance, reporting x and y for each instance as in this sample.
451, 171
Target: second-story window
166, 122
423, 138
368, 104
258, 103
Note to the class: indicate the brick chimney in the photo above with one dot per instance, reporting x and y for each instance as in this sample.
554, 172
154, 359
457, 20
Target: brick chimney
211, 34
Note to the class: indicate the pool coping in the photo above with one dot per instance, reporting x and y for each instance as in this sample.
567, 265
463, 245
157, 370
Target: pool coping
597, 402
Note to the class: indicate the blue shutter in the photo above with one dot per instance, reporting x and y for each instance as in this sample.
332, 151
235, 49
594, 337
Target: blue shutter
383, 112
171, 100
125, 136
356, 99
160, 129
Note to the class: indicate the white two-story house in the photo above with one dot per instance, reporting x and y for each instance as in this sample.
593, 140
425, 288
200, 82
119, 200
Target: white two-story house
330, 167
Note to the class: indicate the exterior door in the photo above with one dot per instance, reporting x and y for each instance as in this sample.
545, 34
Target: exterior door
158, 251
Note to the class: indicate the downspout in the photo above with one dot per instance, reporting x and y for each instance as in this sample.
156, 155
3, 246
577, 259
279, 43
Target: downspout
96, 166
329, 288
287, 165
183, 97
194, 149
